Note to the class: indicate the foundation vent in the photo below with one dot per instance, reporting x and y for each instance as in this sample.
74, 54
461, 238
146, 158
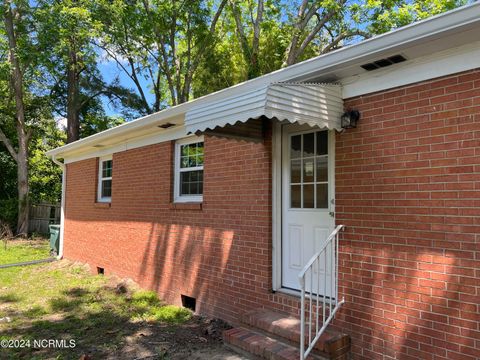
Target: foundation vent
189, 302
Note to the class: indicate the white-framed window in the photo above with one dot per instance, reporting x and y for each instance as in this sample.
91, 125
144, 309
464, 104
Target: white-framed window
105, 167
189, 156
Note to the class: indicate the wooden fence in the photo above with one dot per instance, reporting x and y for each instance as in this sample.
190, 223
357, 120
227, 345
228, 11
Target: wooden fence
41, 216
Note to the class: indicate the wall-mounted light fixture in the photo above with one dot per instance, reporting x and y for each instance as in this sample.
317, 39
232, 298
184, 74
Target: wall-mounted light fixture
349, 119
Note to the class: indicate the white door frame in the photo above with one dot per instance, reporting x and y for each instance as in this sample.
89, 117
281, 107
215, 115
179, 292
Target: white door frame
277, 198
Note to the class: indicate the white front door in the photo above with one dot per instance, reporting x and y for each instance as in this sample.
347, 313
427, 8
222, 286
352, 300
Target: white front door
307, 199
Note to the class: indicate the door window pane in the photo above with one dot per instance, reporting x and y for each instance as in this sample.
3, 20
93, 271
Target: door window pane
296, 196
322, 143
308, 144
295, 171
308, 196
296, 147
308, 170
322, 196
322, 169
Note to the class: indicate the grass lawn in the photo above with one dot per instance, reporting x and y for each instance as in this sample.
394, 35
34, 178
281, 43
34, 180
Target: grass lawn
23, 250
105, 316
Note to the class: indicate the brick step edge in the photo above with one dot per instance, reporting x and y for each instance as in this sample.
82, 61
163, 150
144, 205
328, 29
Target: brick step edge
330, 344
261, 346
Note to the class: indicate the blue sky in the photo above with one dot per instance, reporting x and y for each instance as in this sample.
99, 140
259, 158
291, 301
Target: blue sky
110, 70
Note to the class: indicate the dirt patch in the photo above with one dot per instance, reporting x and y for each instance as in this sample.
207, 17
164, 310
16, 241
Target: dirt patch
199, 339
107, 317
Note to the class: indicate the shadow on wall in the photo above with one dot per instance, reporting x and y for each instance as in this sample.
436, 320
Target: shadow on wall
220, 255
182, 259
417, 303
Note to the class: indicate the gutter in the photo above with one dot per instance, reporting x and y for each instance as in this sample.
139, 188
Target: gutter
62, 210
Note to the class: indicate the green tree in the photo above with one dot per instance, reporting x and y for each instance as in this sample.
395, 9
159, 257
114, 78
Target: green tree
45, 177
298, 30
162, 41
14, 67
75, 84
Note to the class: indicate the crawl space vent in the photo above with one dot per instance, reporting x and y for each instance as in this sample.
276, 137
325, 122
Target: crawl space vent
384, 62
189, 302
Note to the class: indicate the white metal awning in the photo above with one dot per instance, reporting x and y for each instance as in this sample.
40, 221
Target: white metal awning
314, 104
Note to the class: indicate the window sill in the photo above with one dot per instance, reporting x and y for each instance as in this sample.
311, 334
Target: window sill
102, 205
186, 206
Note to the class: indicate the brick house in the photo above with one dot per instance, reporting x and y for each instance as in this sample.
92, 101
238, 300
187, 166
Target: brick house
220, 203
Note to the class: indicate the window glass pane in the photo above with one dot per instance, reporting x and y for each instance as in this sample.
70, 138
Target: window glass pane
185, 188
308, 196
322, 169
322, 142
106, 188
295, 196
308, 170
322, 196
184, 150
194, 188
107, 168
308, 144
200, 149
296, 147
192, 149
192, 161
191, 182
191, 155
295, 174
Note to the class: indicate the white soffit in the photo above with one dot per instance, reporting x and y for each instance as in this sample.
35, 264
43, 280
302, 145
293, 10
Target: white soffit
304, 103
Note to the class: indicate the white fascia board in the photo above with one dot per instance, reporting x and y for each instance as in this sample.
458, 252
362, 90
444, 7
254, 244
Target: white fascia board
173, 134
448, 62
409, 35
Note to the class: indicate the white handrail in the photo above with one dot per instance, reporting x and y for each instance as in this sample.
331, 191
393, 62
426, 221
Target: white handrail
330, 306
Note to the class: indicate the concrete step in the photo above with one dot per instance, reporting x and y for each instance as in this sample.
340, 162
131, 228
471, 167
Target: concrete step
261, 346
331, 345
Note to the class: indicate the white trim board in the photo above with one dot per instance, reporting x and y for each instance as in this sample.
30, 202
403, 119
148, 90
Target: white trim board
177, 198
429, 67
169, 135
277, 206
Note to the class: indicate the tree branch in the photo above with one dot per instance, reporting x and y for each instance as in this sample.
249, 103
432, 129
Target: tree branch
343, 36
8, 145
296, 53
213, 25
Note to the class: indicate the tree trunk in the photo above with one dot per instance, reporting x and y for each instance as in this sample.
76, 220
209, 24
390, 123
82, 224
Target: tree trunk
22, 179
23, 134
73, 121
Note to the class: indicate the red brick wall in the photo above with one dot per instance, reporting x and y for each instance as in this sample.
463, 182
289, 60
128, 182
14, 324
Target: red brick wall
408, 190
220, 254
